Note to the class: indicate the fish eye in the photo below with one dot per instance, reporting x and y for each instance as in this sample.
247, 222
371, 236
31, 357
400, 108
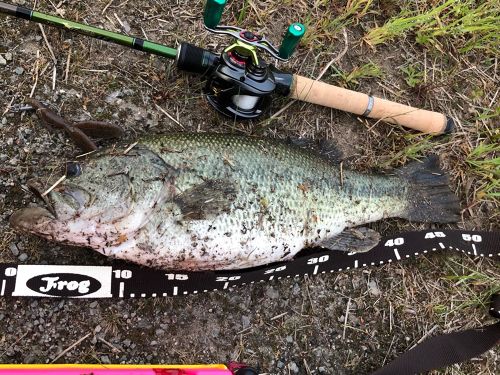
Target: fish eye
73, 169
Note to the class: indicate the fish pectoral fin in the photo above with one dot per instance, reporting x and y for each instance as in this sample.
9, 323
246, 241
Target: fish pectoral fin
206, 200
357, 240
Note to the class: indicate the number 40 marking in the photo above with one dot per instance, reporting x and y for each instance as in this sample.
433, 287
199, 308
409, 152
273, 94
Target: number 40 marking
395, 242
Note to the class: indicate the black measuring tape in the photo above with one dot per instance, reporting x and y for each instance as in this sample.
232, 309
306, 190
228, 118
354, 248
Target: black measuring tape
130, 281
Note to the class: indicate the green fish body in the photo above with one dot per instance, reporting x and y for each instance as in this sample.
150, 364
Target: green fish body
213, 201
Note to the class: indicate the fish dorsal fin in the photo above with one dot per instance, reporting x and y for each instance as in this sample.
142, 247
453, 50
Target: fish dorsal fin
206, 200
357, 240
324, 148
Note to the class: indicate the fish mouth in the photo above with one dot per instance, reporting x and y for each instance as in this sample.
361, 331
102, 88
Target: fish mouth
63, 200
57, 204
37, 188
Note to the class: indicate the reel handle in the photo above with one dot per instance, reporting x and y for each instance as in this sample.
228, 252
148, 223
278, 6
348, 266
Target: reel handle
292, 37
213, 12
321, 93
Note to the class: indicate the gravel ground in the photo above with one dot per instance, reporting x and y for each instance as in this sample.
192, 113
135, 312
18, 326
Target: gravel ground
348, 323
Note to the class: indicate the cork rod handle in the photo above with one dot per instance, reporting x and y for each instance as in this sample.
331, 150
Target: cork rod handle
321, 93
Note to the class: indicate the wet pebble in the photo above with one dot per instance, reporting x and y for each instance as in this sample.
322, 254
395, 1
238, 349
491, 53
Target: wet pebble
19, 70
159, 332
105, 359
292, 366
373, 288
245, 321
23, 257
272, 293
8, 56
13, 249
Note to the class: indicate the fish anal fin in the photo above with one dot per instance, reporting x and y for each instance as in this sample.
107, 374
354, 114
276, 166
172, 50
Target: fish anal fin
357, 240
206, 200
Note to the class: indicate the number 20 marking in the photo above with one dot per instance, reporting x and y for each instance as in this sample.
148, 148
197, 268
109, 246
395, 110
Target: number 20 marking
227, 278
272, 270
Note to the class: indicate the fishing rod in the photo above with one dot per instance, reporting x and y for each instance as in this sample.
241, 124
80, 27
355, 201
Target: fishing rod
240, 83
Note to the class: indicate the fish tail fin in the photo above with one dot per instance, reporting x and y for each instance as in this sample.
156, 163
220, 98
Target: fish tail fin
429, 199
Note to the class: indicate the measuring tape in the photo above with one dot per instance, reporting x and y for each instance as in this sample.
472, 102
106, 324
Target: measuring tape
123, 280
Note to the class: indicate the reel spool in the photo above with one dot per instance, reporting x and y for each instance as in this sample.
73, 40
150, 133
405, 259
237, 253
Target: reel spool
239, 82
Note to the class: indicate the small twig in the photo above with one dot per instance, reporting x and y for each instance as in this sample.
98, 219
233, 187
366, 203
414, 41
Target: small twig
279, 316
37, 63
244, 330
106, 7
310, 299
336, 59
54, 186
120, 22
252, 5
428, 333
76, 343
388, 350
85, 154
168, 115
14, 343
346, 315
283, 109
308, 370
129, 148
391, 316
114, 348
68, 61
8, 107
54, 76
48, 44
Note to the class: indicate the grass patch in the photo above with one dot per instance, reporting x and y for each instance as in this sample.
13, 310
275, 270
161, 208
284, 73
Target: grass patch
413, 74
484, 162
416, 150
475, 287
352, 79
465, 24
327, 25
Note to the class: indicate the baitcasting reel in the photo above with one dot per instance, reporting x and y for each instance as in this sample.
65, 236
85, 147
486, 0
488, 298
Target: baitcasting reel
239, 82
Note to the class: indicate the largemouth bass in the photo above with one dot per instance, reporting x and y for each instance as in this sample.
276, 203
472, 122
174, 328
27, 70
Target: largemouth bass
212, 201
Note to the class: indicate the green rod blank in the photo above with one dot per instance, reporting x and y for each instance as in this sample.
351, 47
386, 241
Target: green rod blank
95, 32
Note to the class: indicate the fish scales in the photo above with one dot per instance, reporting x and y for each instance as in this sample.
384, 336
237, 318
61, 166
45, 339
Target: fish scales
287, 199
209, 201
